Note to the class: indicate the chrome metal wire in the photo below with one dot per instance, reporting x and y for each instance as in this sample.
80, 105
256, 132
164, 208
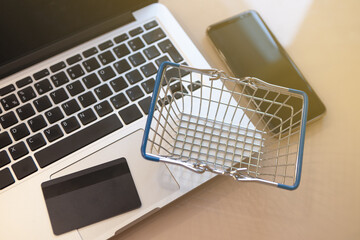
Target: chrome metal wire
244, 128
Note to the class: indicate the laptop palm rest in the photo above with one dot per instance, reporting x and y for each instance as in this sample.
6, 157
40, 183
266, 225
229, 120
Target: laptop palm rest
153, 182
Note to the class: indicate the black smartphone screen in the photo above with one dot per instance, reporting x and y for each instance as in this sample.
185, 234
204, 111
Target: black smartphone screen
250, 49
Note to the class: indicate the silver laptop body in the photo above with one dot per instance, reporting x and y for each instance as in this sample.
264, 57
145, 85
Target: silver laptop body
23, 211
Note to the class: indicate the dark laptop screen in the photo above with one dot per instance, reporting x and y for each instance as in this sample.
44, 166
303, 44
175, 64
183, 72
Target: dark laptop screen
27, 26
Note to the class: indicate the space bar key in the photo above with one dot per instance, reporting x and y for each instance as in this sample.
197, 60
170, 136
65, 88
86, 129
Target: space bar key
77, 140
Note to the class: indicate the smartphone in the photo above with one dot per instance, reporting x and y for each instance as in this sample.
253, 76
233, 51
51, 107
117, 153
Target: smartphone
250, 49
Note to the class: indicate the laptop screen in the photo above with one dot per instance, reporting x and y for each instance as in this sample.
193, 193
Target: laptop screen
27, 26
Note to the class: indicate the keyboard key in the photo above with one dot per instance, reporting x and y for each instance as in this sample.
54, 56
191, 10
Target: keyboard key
23, 82
174, 72
37, 123
178, 90
75, 88
118, 84
154, 35
134, 93
5, 139
25, 111
69, 125
137, 59
87, 99
148, 69
106, 57
4, 159
6, 178
121, 50
26, 94
177, 87
136, 31
145, 104
9, 102
167, 47
103, 91
20, 131
74, 59
194, 86
130, 114
54, 115
151, 52
119, 100
59, 95
134, 76
122, 66
103, 108
24, 168
7, 89
121, 38
41, 74
165, 100
148, 85
70, 107
106, 73
75, 71
59, 79
8, 120
43, 86
105, 45
36, 141
18, 150
161, 60
53, 133
91, 80
77, 141
42, 103
91, 64
58, 66
90, 52
150, 25
136, 44
87, 116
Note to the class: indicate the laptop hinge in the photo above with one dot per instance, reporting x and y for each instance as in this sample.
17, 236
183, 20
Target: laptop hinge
65, 44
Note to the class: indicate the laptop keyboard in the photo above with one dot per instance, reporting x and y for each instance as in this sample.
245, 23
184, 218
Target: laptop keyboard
63, 108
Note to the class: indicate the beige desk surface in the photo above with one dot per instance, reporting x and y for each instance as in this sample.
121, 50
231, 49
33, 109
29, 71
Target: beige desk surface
323, 38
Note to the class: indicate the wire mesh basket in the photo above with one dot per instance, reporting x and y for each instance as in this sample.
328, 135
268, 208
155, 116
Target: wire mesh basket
245, 128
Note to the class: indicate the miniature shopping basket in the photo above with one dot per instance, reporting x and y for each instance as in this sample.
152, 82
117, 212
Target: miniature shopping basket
245, 128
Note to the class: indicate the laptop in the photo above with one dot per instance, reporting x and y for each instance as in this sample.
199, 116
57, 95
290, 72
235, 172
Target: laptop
76, 82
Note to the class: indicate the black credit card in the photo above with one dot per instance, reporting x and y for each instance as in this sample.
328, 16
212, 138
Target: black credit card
89, 196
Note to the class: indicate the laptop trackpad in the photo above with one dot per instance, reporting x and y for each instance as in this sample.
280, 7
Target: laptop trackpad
153, 182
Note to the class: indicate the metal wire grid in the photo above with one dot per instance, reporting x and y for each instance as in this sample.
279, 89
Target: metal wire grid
223, 128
